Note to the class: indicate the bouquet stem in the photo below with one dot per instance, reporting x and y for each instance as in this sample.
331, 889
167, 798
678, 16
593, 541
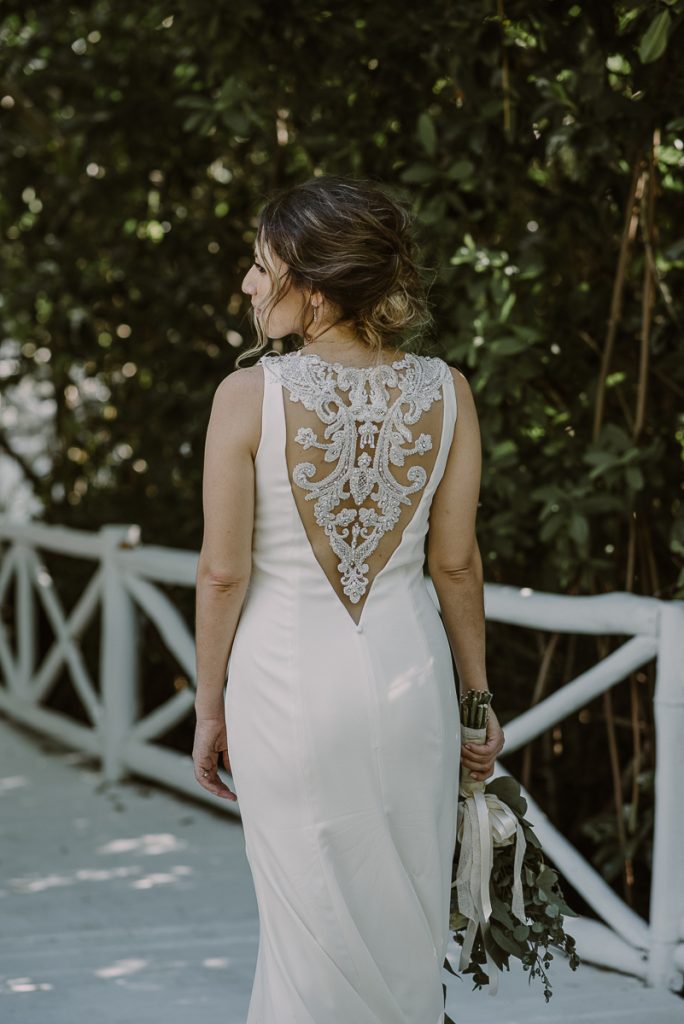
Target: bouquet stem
469, 785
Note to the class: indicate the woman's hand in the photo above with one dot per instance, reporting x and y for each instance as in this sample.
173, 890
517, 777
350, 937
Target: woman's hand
210, 742
480, 758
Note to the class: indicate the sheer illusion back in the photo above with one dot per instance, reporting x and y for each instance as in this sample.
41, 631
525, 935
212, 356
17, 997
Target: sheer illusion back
360, 446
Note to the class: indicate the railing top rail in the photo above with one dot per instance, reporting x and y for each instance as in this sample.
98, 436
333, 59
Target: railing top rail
614, 613
65, 540
600, 614
160, 564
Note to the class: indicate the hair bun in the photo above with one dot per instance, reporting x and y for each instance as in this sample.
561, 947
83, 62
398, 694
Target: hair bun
348, 239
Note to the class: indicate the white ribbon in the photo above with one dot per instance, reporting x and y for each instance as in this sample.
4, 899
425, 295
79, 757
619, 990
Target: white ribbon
484, 822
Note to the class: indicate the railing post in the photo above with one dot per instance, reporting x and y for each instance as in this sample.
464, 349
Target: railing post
119, 656
667, 886
25, 624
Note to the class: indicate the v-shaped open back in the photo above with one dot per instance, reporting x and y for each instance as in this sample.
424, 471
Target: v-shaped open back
372, 437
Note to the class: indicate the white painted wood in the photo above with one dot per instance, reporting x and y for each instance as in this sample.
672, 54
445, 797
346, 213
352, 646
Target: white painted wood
8, 558
621, 613
64, 649
165, 717
164, 565
8, 664
8, 659
119, 659
25, 623
600, 945
168, 620
50, 723
62, 539
667, 888
580, 691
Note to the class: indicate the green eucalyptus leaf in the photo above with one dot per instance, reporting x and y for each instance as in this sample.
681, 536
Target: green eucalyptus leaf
506, 941
530, 835
500, 912
498, 955
507, 789
547, 877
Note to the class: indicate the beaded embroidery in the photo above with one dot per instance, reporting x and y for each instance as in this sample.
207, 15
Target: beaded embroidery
379, 426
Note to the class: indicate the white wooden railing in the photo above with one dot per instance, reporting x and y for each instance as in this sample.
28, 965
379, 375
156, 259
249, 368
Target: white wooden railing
123, 586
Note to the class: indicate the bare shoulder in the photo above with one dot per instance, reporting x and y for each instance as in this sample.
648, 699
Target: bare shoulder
464, 395
237, 404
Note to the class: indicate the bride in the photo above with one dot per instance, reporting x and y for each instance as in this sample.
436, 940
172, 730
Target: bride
325, 673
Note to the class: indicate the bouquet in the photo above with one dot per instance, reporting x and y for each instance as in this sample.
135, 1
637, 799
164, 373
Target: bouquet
505, 901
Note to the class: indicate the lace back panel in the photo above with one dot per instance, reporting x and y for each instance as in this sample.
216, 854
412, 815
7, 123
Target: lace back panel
361, 444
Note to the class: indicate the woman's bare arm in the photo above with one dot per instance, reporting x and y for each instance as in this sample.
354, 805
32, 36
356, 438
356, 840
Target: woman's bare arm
453, 555
455, 567
225, 561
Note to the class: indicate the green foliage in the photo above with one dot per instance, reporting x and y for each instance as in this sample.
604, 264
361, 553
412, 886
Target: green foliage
545, 905
140, 144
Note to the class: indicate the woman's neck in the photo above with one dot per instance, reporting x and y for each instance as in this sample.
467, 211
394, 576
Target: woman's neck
338, 346
361, 355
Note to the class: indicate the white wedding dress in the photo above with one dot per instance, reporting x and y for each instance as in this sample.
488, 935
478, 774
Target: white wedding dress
341, 702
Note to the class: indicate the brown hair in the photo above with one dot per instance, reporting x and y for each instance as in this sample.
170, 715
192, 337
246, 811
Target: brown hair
346, 238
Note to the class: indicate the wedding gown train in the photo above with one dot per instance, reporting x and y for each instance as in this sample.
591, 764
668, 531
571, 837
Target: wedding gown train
341, 702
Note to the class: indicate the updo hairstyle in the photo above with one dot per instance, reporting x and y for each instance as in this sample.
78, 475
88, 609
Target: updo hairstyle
349, 240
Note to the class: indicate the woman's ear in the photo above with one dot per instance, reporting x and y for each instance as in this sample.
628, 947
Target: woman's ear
316, 299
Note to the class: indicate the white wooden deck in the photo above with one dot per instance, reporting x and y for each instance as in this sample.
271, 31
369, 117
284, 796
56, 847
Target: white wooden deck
128, 904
